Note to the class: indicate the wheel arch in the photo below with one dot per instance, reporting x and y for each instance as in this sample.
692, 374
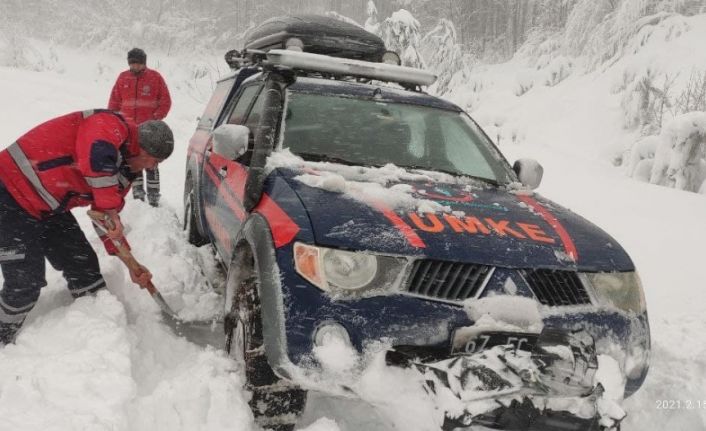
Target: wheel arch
193, 174
255, 242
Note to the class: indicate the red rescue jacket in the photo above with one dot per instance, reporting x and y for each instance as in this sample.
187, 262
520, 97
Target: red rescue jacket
74, 160
140, 97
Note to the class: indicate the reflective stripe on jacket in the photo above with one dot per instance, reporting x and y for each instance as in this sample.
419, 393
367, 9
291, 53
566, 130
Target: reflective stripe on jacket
74, 160
140, 97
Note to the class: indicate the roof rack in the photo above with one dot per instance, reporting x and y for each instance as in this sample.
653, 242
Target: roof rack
334, 67
349, 68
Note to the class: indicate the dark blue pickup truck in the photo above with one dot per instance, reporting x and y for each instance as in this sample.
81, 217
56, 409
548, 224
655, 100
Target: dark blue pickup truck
347, 204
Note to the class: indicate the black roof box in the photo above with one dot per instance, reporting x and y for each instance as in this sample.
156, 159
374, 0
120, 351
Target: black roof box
320, 35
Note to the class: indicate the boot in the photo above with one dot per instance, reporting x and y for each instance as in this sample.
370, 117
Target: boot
138, 193
8, 332
153, 199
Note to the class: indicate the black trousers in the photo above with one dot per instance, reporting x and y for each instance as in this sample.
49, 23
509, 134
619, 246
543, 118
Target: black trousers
25, 243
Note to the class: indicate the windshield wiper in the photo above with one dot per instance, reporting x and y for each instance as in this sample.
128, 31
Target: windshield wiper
315, 157
452, 173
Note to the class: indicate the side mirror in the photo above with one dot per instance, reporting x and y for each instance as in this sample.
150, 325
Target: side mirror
529, 171
230, 140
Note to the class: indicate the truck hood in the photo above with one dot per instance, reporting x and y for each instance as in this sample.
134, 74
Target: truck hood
393, 211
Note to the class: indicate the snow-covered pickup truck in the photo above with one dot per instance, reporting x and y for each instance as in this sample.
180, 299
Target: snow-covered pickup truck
359, 216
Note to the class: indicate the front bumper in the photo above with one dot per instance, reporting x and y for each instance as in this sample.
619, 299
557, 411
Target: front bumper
525, 416
401, 320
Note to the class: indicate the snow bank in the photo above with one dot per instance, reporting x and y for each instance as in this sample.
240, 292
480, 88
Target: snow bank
87, 366
70, 369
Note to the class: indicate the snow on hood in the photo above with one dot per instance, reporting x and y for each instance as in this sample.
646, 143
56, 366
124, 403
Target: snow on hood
365, 184
394, 210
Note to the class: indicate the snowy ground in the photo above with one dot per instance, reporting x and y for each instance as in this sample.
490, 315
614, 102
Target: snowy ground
109, 363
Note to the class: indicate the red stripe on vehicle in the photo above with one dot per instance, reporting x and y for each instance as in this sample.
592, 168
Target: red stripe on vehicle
400, 224
566, 240
282, 226
236, 179
233, 203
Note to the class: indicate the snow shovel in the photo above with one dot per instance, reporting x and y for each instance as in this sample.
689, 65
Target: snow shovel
103, 223
198, 331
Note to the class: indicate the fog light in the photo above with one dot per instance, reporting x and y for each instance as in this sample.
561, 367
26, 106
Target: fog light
330, 333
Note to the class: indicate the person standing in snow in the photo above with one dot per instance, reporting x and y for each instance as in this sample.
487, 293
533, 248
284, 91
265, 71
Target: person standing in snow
79, 159
140, 94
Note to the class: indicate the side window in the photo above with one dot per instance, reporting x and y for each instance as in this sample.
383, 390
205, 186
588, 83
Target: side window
208, 117
251, 123
256, 113
240, 110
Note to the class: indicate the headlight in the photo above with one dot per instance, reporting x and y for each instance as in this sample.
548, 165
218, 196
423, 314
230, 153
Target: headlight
622, 290
341, 271
348, 270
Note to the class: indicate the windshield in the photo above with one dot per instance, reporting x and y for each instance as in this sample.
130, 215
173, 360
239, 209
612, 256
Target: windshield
374, 133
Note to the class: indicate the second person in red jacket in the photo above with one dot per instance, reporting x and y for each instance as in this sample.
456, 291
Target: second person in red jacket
140, 94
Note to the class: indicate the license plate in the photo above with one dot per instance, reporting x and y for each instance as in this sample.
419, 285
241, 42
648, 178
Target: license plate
464, 344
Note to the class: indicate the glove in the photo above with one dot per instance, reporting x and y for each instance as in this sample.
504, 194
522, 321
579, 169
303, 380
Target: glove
141, 276
110, 245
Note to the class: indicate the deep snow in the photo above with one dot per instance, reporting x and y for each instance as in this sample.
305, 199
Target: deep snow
109, 363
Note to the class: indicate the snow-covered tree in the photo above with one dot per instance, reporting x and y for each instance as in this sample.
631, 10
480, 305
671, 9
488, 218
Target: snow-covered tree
372, 24
443, 55
680, 158
400, 32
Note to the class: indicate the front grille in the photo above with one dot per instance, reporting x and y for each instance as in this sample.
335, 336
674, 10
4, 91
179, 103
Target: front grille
556, 288
451, 281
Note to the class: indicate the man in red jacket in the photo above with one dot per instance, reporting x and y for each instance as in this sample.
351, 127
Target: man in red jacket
140, 94
79, 159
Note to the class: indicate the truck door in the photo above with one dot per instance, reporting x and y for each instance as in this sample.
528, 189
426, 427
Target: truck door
225, 212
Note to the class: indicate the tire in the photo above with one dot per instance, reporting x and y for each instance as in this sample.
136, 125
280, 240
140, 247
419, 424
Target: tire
190, 222
276, 403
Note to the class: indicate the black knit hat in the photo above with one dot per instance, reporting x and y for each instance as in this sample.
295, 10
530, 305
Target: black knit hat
136, 55
156, 138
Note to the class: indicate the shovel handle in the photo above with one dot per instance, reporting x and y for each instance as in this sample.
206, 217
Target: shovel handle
124, 253
104, 222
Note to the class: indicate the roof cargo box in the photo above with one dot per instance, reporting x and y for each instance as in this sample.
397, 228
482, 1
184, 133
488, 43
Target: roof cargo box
320, 35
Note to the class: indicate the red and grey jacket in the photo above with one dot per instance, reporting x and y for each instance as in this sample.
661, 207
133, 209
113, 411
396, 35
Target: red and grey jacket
70, 161
140, 97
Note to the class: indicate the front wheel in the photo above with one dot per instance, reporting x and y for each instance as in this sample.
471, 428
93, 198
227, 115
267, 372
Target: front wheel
276, 403
190, 227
